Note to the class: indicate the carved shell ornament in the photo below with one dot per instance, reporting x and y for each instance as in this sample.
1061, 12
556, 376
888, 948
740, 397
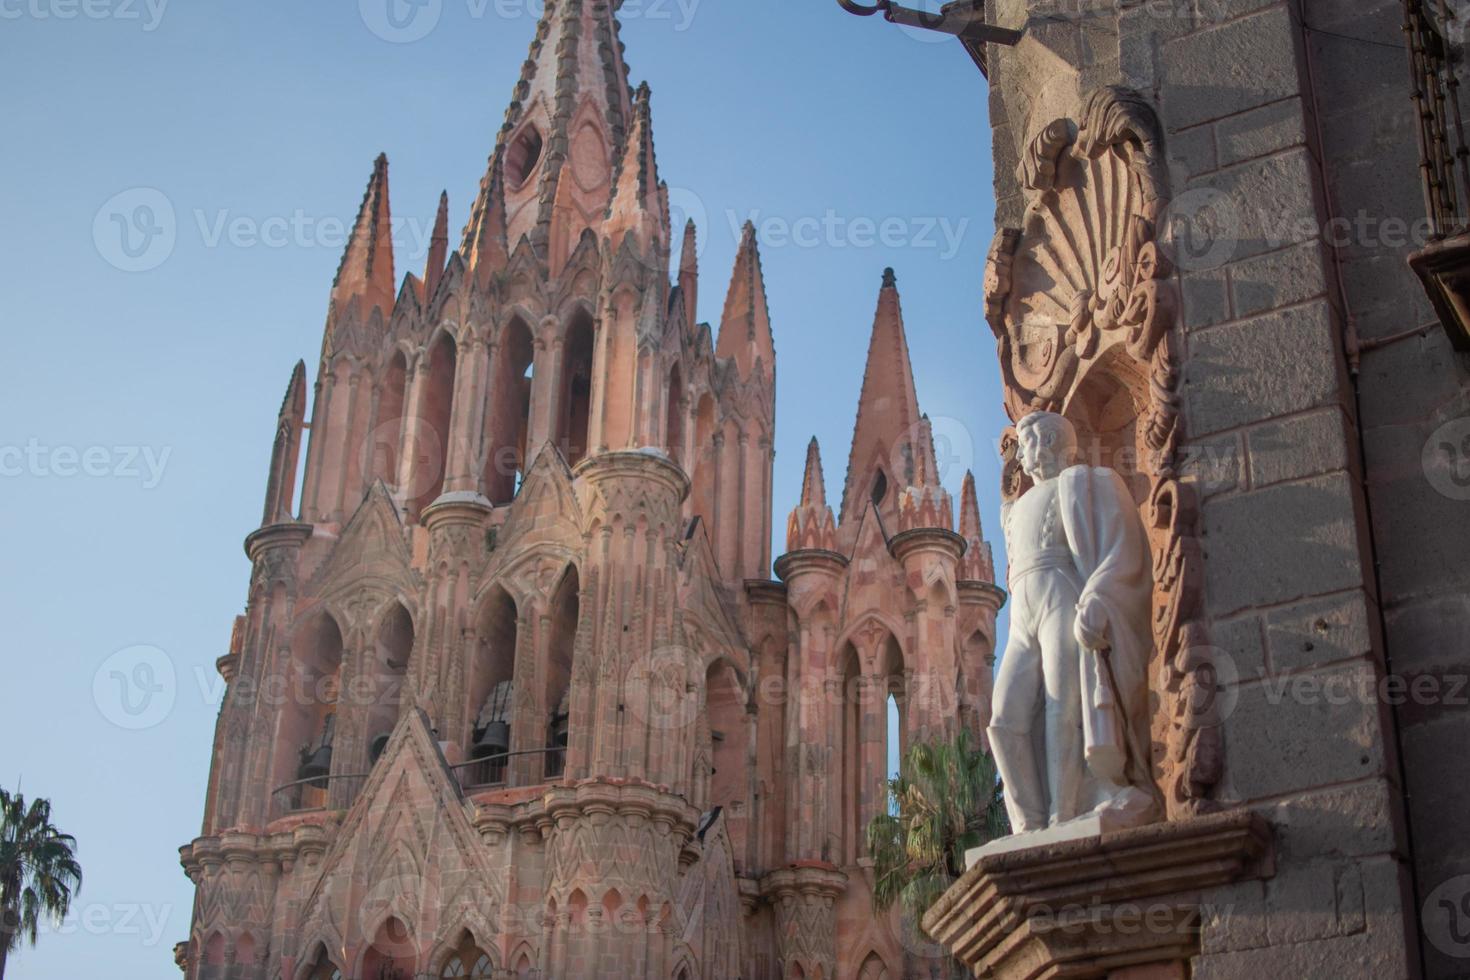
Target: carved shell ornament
1084, 276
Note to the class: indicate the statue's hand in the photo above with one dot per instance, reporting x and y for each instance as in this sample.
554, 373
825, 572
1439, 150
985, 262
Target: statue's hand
1091, 627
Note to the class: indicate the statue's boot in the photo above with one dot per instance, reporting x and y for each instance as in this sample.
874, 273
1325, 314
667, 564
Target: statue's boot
1015, 759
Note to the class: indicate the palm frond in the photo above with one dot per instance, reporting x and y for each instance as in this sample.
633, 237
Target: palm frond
39, 872
945, 800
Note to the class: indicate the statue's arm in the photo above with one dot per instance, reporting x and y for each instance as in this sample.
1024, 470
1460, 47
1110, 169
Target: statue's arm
1096, 509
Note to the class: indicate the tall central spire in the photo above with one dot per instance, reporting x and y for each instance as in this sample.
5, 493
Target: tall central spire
570, 113
886, 441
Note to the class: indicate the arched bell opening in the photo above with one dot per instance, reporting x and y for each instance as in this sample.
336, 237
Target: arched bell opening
509, 412
576, 389
492, 688
674, 416
382, 687
388, 433
701, 465
436, 411
565, 614
306, 732
725, 709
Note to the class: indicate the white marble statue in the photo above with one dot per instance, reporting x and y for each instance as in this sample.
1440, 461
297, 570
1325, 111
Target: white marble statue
1069, 727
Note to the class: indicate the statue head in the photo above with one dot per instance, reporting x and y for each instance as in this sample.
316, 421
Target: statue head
1048, 443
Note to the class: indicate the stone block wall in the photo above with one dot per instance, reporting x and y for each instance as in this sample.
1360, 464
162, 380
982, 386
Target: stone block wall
1316, 387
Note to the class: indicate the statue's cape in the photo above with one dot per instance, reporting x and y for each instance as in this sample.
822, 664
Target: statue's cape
1110, 551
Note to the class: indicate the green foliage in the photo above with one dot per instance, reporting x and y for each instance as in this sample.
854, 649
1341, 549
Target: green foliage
946, 800
39, 874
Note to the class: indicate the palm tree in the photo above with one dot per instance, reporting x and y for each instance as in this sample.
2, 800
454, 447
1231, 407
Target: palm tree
38, 872
946, 800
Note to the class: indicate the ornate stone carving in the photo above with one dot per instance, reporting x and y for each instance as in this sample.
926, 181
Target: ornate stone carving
1080, 299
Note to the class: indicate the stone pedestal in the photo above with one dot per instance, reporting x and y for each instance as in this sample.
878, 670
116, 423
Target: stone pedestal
1123, 905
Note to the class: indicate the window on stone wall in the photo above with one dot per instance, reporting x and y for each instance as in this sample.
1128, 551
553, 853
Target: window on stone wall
468, 961
522, 157
851, 742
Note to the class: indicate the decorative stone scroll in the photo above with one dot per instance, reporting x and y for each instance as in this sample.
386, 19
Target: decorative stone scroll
1081, 302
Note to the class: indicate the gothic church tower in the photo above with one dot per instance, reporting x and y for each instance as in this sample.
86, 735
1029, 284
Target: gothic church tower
495, 704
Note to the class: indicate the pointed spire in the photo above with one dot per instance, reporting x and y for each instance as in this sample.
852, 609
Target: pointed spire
574, 71
977, 565
926, 465
925, 502
969, 508
689, 272
484, 246
745, 326
365, 277
280, 487
811, 524
813, 486
887, 436
637, 199
438, 248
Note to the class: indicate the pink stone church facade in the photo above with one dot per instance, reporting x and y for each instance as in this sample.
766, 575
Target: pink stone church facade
515, 692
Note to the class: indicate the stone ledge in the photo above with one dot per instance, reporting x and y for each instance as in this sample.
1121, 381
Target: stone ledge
1074, 909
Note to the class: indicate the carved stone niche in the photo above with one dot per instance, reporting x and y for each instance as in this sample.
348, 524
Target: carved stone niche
1082, 304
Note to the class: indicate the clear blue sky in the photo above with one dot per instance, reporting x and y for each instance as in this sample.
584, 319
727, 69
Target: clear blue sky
138, 407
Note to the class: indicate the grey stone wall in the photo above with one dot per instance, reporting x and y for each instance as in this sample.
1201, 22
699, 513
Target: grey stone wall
1338, 562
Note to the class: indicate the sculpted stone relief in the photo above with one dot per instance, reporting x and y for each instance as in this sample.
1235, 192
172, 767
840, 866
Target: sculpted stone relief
1084, 315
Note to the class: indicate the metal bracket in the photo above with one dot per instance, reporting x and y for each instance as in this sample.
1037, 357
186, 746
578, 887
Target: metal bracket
962, 18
